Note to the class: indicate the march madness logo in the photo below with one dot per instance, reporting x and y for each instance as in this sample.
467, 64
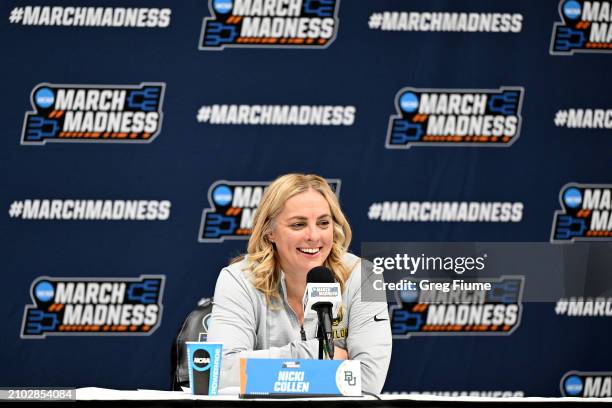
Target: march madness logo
585, 27
93, 306
586, 384
94, 113
455, 117
585, 213
270, 23
459, 312
232, 208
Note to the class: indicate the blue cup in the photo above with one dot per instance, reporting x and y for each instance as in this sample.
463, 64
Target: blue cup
204, 367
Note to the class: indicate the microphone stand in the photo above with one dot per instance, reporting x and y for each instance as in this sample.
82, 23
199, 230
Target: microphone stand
325, 340
321, 338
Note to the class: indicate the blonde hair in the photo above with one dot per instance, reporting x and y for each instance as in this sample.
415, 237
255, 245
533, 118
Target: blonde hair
262, 258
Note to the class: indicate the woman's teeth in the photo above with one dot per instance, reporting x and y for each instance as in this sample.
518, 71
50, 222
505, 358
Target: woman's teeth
309, 250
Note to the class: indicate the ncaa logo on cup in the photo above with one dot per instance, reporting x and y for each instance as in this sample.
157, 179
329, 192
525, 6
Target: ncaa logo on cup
201, 360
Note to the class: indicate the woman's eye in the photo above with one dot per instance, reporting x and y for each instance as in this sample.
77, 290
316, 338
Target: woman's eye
324, 223
297, 225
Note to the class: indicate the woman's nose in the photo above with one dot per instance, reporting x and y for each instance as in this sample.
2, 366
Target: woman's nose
313, 233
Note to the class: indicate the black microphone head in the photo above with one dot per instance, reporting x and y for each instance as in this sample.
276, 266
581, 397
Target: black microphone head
320, 274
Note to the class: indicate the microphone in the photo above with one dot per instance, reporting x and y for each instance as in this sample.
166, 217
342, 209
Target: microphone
322, 297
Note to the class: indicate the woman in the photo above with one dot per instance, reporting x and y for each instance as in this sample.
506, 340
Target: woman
258, 309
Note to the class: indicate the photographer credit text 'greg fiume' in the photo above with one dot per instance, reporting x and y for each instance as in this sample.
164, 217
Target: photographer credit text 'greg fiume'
412, 265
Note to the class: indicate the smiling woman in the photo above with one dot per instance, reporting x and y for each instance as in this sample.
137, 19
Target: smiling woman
258, 310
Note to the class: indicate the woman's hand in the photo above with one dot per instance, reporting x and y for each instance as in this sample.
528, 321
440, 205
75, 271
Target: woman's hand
340, 353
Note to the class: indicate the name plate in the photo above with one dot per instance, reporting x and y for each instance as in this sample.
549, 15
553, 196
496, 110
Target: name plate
282, 378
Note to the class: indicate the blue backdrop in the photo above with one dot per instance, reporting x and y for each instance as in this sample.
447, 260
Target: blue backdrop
360, 68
